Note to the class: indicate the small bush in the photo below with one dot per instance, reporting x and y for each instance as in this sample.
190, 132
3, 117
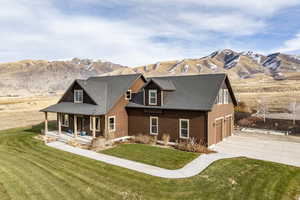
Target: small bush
145, 139
192, 146
166, 139
250, 121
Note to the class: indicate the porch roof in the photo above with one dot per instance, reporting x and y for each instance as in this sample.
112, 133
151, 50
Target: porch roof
75, 108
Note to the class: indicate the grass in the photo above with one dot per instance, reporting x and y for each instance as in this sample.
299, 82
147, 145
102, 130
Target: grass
31, 170
157, 156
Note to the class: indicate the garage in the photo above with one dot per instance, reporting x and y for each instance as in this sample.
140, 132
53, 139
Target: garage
219, 130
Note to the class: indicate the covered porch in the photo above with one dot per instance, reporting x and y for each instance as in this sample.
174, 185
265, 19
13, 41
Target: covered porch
76, 125
66, 137
77, 119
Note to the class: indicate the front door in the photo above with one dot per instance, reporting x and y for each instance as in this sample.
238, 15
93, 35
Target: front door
80, 124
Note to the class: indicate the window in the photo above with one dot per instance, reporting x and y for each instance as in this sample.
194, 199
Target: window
64, 120
154, 125
97, 119
111, 123
78, 96
220, 97
128, 95
152, 97
226, 96
184, 128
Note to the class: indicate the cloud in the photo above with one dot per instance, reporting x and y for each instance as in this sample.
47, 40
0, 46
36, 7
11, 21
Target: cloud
139, 33
233, 24
291, 45
254, 7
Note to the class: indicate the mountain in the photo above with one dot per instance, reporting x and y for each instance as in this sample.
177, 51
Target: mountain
238, 65
41, 77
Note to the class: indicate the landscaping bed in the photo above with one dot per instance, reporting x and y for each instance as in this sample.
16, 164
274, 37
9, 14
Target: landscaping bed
153, 155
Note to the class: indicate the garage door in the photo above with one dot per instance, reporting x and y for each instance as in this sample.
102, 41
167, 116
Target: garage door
228, 126
219, 128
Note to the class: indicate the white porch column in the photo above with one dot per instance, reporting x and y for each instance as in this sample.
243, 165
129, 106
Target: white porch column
46, 123
75, 126
94, 126
59, 123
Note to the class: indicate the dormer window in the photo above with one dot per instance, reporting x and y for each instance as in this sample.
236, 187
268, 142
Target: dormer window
152, 97
78, 96
128, 95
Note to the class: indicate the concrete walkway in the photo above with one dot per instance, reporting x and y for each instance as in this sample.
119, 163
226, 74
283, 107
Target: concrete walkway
191, 169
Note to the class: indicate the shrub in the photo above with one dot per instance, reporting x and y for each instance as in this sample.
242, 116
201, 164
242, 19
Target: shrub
145, 139
192, 145
250, 121
166, 139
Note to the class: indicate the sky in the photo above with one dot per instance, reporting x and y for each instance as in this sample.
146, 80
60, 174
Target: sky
139, 32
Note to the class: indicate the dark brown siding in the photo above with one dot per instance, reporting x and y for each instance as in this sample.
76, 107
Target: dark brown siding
120, 112
152, 86
69, 95
168, 120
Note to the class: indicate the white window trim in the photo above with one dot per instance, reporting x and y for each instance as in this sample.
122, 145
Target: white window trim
114, 129
130, 95
220, 96
149, 97
188, 128
91, 123
75, 91
226, 96
154, 117
62, 121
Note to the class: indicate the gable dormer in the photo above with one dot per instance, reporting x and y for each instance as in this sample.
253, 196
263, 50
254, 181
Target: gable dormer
77, 94
224, 96
155, 90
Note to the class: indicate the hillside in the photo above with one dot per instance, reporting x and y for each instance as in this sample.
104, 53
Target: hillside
40, 77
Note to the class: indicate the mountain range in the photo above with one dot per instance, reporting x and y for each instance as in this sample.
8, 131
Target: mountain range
238, 65
274, 78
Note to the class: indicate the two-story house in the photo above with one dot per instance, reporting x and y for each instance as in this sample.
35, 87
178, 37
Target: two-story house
194, 106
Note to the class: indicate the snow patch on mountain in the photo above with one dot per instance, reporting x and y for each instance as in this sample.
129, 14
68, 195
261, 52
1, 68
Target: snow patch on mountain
254, 56
156, 66
272, 62
199, 67
173, 68
212, 66
230, 60
185, 68
213, 54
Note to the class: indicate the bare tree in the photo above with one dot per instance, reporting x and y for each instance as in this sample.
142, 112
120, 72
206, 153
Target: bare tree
262, 107
293, 109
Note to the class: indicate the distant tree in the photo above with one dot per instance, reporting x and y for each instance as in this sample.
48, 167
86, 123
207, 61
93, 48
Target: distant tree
262, 108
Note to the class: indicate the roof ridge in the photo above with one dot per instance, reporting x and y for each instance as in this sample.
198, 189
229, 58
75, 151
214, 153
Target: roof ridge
116, 75
188, 75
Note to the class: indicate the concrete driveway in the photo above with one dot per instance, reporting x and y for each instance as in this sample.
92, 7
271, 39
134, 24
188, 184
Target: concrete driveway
281, 149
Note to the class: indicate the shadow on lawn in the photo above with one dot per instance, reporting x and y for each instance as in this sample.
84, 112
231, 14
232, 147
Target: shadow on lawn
38, 127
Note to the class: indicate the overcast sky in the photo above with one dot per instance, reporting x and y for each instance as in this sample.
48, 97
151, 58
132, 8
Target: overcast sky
138, 32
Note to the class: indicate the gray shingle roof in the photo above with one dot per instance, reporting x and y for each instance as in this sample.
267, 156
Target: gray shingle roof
75, 108
104, 91
163, 84
193, 92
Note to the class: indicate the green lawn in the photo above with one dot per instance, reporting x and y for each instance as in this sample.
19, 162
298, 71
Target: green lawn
31, 170
160, 157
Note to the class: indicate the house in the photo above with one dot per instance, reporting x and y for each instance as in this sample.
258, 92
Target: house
193, 106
